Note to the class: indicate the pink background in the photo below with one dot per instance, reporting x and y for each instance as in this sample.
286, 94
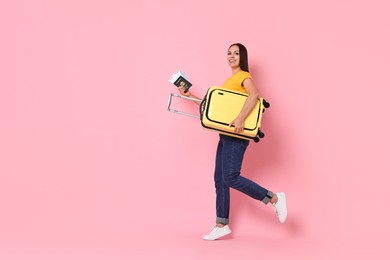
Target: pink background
92, 166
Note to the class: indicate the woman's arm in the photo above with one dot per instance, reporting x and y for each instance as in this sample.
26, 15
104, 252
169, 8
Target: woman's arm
188, 94
249, 104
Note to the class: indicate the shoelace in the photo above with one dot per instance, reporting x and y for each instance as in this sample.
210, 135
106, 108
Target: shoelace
211, 229
215, 227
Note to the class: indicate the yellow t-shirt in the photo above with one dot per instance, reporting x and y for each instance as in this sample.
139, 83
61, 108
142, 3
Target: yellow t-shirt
236, 80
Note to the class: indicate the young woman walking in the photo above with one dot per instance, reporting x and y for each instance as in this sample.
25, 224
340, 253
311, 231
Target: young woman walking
231, 150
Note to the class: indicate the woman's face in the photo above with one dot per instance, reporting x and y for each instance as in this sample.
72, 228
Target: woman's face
233, 57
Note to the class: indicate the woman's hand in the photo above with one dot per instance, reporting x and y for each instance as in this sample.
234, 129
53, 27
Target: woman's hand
183, 91
238, 124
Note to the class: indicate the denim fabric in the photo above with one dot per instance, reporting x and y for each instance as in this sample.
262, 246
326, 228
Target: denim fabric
230, 154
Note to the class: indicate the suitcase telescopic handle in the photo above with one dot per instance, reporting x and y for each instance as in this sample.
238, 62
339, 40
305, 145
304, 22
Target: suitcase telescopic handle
178, 111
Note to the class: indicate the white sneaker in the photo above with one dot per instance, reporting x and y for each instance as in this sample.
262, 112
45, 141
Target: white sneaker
217, 232
280, 207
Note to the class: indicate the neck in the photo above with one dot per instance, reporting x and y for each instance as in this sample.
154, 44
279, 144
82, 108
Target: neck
235, 70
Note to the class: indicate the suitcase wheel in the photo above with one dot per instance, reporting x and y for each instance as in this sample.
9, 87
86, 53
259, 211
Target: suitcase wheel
265, 103
260, 134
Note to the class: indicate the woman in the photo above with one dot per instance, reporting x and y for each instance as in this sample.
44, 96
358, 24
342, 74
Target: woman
230, 151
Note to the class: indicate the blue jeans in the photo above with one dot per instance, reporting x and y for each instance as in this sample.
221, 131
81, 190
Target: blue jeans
230, 154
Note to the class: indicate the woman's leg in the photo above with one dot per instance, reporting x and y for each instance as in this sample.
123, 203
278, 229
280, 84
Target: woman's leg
232, 156
222, 191
222, 201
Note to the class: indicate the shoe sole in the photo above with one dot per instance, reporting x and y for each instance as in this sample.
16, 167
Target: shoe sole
283, 197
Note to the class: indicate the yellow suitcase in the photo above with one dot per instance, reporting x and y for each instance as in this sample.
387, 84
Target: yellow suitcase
221, 106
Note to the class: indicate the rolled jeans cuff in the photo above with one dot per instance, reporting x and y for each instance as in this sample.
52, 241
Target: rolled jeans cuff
268, 197
224, 221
